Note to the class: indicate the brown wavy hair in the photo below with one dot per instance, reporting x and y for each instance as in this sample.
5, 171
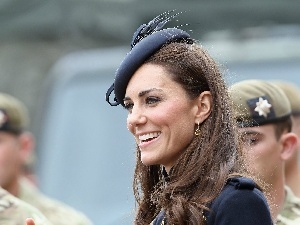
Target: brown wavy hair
211, 158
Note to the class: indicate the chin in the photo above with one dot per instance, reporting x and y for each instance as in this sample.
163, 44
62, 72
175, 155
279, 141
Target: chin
148, 161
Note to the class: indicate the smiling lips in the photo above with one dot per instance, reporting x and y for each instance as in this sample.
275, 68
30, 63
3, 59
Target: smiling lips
148, 137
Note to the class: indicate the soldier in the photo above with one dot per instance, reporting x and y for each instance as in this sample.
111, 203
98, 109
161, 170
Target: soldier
16, 146
262, 113
13, 211
292, 167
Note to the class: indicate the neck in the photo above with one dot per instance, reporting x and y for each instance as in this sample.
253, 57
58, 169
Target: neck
276, 197
292, 179
12, 188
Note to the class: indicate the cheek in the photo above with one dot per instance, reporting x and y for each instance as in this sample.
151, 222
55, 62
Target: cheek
261, 155
253, 154
182, 128
5, 156
250, 156
129, 127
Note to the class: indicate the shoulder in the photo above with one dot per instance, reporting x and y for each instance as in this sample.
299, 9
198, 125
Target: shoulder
15, 211
240, 202
290, 213
291, 198
242, 189
56, 211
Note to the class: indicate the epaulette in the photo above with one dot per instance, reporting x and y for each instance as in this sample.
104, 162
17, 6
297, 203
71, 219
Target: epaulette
242, 183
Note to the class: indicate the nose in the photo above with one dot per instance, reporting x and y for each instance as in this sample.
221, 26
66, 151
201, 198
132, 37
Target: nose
135, 118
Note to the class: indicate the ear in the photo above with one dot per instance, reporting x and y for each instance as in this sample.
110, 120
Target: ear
204, 105
289, 142
27, 145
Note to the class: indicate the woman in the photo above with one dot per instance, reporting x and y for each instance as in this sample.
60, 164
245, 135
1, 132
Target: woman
188, 163
189, 166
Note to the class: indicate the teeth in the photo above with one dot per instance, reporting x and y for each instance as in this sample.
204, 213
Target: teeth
148, 136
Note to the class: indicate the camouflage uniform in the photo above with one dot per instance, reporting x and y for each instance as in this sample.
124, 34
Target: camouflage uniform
13, 211
14, 119
56, 212
290, 213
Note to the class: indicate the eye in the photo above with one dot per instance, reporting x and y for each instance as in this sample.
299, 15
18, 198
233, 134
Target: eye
250, 140
152, 100
128, 106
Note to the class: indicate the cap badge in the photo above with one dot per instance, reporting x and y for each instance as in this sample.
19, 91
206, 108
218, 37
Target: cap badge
3, 118
263, 107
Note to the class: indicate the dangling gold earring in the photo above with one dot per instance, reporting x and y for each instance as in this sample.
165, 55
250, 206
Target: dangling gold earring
197, 131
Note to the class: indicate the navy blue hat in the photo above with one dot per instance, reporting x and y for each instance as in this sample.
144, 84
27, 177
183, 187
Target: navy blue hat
148, 39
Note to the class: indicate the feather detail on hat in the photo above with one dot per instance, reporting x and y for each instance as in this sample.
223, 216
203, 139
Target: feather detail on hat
147, 39
154, 25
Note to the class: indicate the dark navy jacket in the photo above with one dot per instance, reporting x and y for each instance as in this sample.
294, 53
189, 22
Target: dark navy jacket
239, 203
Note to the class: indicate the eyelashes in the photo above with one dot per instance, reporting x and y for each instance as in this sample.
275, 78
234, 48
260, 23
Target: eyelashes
148, 101
152, 100
128, 106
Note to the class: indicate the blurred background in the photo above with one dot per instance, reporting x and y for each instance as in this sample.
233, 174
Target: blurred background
59, 58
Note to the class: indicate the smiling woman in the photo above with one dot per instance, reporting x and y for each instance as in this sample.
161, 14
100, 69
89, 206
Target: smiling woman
189, 168
154, 102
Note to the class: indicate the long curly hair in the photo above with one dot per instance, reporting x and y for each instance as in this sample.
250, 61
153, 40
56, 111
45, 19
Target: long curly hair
212, 157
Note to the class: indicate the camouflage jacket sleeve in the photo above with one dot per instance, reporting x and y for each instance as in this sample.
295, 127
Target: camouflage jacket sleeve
57, 212
15, 212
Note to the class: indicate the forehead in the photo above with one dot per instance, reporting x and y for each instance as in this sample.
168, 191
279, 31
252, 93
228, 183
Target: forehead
150, 76
150, 71
266, 129
8, 135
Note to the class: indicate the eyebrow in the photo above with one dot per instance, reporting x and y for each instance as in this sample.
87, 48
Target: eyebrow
142, 93
250, 133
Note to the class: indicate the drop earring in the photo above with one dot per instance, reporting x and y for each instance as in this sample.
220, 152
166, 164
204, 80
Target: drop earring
197, 131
